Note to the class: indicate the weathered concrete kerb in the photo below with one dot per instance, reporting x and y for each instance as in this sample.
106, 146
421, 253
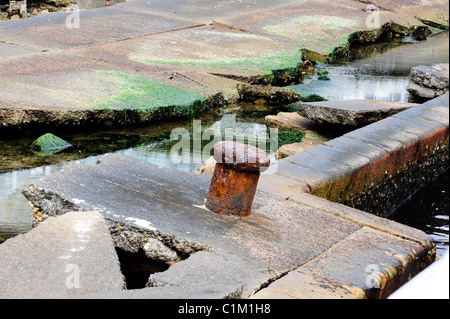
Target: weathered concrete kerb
385, 162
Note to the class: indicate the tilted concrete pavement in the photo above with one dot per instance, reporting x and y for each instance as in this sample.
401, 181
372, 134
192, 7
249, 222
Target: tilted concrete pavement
64, 258
236, 256
203, 47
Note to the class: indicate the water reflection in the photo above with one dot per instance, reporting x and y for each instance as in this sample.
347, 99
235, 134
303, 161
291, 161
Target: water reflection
381, 77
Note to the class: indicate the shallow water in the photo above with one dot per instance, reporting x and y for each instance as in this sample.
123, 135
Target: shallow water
428, 210
380, 77
383, 76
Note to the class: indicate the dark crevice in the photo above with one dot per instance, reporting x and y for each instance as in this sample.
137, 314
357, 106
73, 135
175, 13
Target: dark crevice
137, 268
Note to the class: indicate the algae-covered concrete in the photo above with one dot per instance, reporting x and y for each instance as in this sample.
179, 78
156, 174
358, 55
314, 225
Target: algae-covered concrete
139, 62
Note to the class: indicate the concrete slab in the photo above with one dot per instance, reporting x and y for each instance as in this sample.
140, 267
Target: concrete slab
95, 26
368, 159
321, 26
151, 202
353, 112
429, 81
66, 257
201, 11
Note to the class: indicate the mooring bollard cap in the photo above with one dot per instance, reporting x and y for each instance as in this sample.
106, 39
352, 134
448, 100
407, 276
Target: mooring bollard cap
241, 157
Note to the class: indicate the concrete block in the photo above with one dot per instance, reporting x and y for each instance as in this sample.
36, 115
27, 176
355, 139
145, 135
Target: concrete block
65, 257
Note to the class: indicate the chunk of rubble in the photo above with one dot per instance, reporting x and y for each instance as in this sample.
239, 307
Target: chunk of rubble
428, 81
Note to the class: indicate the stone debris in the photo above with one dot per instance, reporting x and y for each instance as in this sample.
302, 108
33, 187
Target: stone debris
429, 81
267, 94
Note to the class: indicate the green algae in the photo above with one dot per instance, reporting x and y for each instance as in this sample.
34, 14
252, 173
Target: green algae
268, 65
140, 94
290, 136
48, 144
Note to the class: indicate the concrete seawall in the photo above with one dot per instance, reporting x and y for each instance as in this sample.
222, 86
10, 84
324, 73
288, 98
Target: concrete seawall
375, 168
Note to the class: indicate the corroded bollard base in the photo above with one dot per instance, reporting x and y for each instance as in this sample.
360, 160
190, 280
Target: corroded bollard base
235, 179
232, 192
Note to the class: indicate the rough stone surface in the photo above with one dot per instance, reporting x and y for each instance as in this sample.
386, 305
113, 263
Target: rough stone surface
353, 113
429, 81
268, 94
155, 250
292, 149
65, 257
285, 121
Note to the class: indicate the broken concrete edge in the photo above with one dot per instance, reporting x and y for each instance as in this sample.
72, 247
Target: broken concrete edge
366, 37
374, 281
66, 257
16, 120
210, 292
130, 237
135, 236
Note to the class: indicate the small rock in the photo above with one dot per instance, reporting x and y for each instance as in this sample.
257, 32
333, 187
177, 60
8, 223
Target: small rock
207, 168
271, 95
429, 81
156, 250
292, 149
49, 144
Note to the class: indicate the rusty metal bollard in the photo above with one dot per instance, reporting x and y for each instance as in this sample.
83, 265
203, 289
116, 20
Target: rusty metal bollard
236, 175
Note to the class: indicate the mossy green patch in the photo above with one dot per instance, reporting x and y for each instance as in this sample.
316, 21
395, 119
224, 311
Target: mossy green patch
290, 136
268, 64
48, 144
141, 94
320, 32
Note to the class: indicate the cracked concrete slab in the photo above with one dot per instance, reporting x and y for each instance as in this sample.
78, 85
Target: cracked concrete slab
66, 257
151, 202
